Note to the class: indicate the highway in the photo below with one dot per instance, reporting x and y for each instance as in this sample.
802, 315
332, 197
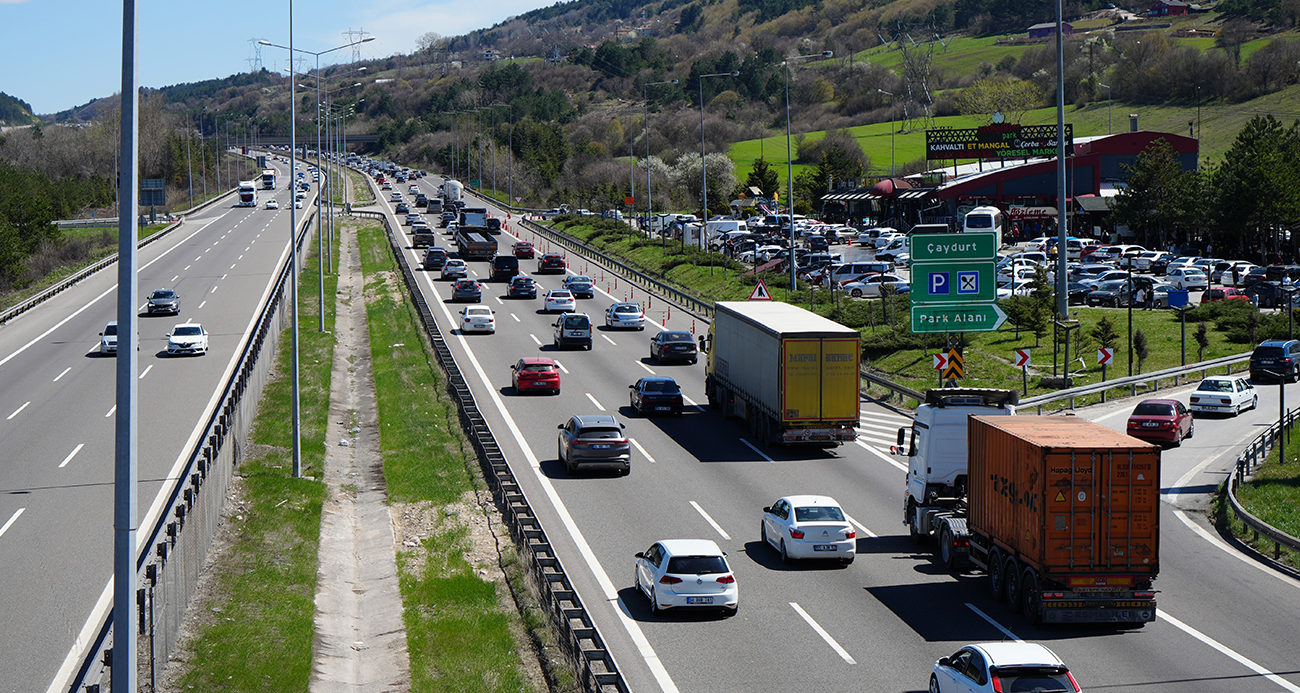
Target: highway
1225, 622
57, 415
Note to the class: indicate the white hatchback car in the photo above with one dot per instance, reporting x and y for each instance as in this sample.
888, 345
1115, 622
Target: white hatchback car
1223, 394
560, 300
187, 338
625, 315
1002, 666
809, 527
478, 319
686, 573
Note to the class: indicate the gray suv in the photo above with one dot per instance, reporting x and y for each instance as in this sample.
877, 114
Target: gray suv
594, 442
164, 301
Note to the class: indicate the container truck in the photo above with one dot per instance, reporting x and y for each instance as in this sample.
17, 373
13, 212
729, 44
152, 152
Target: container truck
247, 194
453, 190
1061, 513
790, 373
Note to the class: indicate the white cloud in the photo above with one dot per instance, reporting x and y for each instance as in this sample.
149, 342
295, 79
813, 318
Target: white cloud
397, 25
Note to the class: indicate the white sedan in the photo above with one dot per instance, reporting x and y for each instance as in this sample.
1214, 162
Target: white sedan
625, 315
809, 527
886, 237
272, 204
477, 319
1021, 287
1223, 394
871, 286
560, 300
1187, 278
1002, 666
187, 338
686, 573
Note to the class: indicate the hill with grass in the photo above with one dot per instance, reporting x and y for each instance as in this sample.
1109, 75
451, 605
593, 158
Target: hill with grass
14, 111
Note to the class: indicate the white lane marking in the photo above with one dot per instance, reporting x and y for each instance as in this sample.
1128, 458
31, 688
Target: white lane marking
633, 629
647, 368
146, 372
760, 452
233, 266
241, 257
860, 526
176, 277
187, 267
1111, 415
224, 276
96, 299
561, 367
995, 624
213, 291
822, 632
498, 298
691, 402
203, 304
516, 317
708, 519
71, 455
198, 258
593, 401
643, 452
882, 455
1224, 649
19, 409
65, 372
110, 411
1218, 543
535, 339
609, 340
11, 521
142, 305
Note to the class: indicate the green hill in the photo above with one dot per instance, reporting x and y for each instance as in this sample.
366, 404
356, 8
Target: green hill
15, 111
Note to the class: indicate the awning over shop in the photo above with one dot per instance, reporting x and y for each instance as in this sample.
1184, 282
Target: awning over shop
1093, 205
914, 194
851, 196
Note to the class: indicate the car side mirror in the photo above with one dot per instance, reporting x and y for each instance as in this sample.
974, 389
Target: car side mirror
169, 335
768, 509
902, 436
631, 387
945, 662
561, 426
639, 554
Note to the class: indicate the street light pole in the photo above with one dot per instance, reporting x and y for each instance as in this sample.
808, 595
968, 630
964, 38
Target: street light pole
704, 169
789, 159
893, 129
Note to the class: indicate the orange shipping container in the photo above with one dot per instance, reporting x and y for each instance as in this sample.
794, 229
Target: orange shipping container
1065, 495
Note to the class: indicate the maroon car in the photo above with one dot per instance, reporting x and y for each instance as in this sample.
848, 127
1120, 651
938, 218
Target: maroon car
1161, 421
551, 262
524, 250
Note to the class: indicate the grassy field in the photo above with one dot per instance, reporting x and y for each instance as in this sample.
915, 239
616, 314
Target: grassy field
1272, 495
459, 634
361, 192
101, 242
257, 633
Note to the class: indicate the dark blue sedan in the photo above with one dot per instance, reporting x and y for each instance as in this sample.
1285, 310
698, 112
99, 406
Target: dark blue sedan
656, 395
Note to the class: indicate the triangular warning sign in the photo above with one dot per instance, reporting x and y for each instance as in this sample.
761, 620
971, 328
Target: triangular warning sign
1060, 497
760, 293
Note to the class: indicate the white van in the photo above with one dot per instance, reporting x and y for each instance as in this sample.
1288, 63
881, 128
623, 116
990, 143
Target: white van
725, 226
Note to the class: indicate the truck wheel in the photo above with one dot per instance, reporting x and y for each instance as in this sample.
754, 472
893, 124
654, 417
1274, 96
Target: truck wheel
945, 548
1010, 572
996, 578
1029, 597
919, 538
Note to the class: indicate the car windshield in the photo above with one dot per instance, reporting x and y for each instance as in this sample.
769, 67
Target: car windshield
1215, 386
579, 280
523, 281
1020, 681
600, 433
472, 312
665, 386
1153, 409
539, 367
467, 284
455, 263
575, 322
677, 337
697, 565
1265, 352
627, 309
818, 513
187, 331
110, 330
561, 295
163, 293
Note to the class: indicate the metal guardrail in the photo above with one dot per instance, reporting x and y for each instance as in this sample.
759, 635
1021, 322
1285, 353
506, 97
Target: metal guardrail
1250, 458
176, 544
583, 643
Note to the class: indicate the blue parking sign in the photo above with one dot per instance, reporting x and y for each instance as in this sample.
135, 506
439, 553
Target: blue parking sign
939, 285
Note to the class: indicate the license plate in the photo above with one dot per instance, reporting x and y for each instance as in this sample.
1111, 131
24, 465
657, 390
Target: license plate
662, 408
600, 447
699, 600
823, 547
1150, 424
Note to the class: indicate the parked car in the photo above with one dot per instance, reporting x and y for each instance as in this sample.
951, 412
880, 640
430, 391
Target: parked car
625, 315
1078, 293
535, 373
686, 574
478, 319
1161, 421
1276, 358
654, 394
876, 284
1225, 294
1002, 666
672, 345
1223, 394
1187, 278
594, 442
1111, 294
1266, 294
808, 527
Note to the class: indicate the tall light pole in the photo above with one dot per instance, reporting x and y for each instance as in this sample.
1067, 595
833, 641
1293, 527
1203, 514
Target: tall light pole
1062, 294
704, 169
789, 159
1108, 108
893, 129
649, 194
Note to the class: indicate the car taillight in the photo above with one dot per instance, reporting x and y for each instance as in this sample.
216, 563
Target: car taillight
726, 579
669, 580
850, 534
796, 534
1195, 399
1073, 682
997, 684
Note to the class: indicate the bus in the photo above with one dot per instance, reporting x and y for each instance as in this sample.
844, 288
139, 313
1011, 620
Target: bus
985, 219
268, 179
247, 194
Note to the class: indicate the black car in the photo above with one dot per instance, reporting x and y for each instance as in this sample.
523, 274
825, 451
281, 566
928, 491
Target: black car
467, 290
447, 218
1276, 359
655, 394
1114, 294
1265, 294
1078, 293
673, 345
504, 267
435, 258
522, 286
401, 208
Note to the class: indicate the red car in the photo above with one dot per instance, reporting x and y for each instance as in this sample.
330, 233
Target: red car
535, 373
524, 250
1161, 421
551, 262
1227, 293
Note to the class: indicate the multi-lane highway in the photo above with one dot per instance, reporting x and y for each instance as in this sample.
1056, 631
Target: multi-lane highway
57, 418
1226, 623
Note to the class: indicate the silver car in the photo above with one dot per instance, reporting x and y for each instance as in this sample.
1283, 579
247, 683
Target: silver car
164, 301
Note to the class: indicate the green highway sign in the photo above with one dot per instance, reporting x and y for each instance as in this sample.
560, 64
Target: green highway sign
962, 281
954, 246
957, 318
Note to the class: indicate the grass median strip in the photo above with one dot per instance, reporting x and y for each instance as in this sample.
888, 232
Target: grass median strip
456, 577
255, 612
1273, 495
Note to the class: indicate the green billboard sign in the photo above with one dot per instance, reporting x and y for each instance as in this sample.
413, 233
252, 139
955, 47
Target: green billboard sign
957, 318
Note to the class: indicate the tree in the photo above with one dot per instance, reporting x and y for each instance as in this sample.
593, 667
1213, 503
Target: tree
428, 42
762, 177
1010, 97
1255, 188
1202, 340
1159, 194
1140, 348
1234, 33
1105, 333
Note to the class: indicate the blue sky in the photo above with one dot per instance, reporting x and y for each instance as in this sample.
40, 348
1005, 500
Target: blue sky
62, 53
